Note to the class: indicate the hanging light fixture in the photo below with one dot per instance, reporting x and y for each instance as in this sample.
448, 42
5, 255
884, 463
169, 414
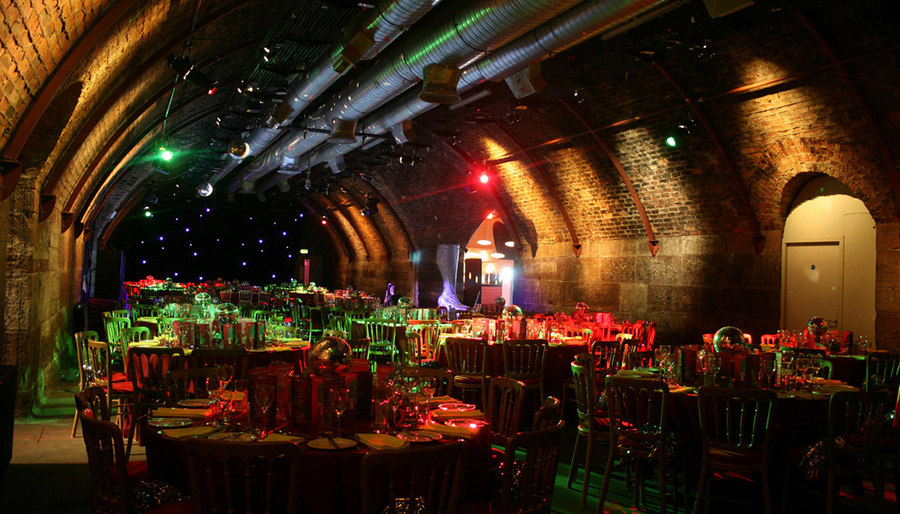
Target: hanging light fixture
484, 238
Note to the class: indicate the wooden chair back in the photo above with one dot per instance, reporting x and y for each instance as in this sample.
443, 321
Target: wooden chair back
229, 476
535, 456
429, 477
466, 356
640, 359
184, 384
504, 412
93, 398
607, 357
885, 368
736, 421
106, 461
442, 377
524, 359
237, 358
548, 415
85, 374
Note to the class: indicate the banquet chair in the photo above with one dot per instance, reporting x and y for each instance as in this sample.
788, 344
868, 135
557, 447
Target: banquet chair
428, 332
640, 359
246, 477
114, 326
111, 483
261, 315
214, 357
190, 383
94, 398
548, 415
467, 360
855, 420
736, 427
133, 335
534, 456
768, 340
148, 366
607, 357
638, 425
504, 408
85, 374
342, 323
142, 310
165, 325
525, 360
592, 423
443, 378
316, 316
360, 348
382, 335
430, 476
883, 370
118, 389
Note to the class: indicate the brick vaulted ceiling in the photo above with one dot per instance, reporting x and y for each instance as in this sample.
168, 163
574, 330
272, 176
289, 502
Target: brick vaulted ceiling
774, 88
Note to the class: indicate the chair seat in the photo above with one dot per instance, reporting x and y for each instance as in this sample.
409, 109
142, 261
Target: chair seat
119, 376
468, 380
120, 388
530, 382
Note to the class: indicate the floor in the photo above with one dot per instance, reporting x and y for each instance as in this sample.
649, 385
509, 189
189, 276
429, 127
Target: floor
49, 473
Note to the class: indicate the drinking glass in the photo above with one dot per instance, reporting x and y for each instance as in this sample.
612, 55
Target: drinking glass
428, 386
339, 398
264, 395
768, 369
225, 374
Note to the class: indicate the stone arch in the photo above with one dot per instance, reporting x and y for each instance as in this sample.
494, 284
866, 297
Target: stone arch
46, 133
789, 164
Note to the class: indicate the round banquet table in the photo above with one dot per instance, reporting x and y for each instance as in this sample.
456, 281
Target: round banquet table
329, 480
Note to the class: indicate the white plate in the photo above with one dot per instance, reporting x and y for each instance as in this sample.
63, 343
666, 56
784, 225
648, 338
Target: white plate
243, 437
457, 406
170, 422
419, 436
195, 403
325, 444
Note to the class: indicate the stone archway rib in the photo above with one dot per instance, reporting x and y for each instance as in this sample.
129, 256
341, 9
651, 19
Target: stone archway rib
759, 240
86, 129
501, 205
51, 88
576, 246
863, 106
652, 242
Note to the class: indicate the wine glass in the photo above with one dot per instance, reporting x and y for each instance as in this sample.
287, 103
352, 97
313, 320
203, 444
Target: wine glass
225, 374
768, 369
339, 398
265, 395
428, 386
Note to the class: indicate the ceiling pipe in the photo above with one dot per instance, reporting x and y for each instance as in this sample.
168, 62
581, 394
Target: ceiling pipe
583, 22
382, 25
454, 35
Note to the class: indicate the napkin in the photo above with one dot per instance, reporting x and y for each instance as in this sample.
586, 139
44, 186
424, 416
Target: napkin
176, 412
464, 432
440, 400
382, 441
276, 437
455, 414
182, 433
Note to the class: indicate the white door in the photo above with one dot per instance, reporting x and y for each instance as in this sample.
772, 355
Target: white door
813, 277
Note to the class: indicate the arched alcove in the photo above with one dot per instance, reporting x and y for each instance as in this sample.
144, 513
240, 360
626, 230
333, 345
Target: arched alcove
828, 259
489, 263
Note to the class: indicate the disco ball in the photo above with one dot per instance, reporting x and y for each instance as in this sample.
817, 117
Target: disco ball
513, 312
330, 356
729, 340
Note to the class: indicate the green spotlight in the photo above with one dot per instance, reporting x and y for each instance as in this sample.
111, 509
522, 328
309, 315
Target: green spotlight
148, 214
671, 142
165, 154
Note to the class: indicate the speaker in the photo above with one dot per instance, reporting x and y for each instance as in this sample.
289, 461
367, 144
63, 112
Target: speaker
108, 281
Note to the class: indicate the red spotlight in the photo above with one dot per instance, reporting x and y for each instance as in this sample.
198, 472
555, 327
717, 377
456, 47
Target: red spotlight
484, 177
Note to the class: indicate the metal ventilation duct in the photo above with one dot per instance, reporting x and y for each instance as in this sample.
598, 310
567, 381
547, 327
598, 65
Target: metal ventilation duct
454, 35
575, 26
383, 24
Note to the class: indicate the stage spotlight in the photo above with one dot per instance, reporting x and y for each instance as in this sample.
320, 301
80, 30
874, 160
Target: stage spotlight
189, 72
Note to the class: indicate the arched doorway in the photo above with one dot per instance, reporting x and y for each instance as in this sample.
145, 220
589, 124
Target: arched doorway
828, 260
489, 264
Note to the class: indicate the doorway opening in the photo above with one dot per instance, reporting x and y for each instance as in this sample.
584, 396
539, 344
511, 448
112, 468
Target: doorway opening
489, 264
828, 260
